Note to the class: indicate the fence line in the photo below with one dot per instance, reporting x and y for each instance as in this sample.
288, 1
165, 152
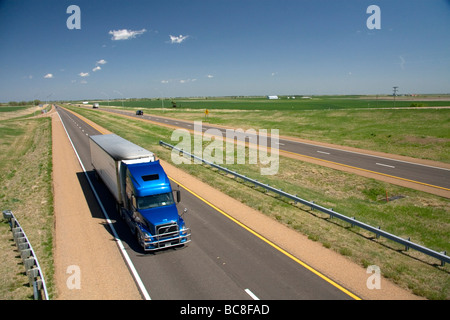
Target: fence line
442, 256
30, 261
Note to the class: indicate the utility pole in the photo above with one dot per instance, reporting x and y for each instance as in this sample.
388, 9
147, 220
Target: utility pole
395, 94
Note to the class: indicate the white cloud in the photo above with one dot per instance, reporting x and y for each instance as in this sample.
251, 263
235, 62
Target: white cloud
210, 76
402, 62
84, 74
96, 68
164, 81
101, 61
125, 34
187, 80
48, 76
179, 39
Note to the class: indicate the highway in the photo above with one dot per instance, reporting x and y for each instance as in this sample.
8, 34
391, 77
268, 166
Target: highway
224, 261
430, 176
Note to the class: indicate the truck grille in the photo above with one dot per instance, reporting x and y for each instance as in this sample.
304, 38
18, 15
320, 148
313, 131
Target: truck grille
166, 230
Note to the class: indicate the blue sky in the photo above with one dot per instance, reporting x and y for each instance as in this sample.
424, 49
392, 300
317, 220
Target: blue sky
138, 49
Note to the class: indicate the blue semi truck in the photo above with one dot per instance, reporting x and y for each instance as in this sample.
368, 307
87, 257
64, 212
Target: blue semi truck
142, 190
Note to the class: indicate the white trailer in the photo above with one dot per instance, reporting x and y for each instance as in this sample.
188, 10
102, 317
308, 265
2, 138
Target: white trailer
107, 154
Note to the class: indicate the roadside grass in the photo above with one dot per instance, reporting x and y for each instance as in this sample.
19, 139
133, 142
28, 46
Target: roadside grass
26, 190
422, 217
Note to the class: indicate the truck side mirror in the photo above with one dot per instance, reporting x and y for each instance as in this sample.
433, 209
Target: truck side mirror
178, 196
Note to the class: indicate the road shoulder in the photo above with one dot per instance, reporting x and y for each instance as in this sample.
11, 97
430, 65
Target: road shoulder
85, 252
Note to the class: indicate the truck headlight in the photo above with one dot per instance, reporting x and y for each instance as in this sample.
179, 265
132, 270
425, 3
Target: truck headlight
145, 236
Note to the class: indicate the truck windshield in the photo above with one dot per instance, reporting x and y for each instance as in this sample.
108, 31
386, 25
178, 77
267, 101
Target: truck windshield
157, 200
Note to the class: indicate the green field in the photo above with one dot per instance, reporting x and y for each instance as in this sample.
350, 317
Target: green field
297, 104
12, 108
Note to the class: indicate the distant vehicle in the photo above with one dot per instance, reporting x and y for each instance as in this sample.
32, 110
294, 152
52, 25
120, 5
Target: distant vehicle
139, 113
95, 106
142, 191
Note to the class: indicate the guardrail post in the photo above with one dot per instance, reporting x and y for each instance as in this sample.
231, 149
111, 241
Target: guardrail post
377, 234
406, 246
25, 254
442, 261
7, 215
23, 245
17, 233
32, 274
37, 287
29, 263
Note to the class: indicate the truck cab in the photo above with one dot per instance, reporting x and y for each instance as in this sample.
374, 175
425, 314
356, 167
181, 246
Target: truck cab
142, 191
150, 208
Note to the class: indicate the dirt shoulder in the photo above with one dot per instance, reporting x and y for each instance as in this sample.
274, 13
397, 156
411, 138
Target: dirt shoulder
99, 285
81, 242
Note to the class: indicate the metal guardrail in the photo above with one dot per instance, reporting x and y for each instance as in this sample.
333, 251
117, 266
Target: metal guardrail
30, 261
442, 256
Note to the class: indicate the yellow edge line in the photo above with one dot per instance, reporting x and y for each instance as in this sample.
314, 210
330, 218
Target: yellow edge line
270, 243
383, 174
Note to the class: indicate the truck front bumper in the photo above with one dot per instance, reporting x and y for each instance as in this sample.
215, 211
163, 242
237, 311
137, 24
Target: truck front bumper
167, 240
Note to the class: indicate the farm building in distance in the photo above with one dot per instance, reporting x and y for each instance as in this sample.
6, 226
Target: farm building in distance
272, 97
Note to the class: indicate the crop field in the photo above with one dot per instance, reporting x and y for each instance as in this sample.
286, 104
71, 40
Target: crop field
284, 103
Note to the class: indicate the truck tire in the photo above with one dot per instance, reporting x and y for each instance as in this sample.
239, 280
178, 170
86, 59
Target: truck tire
137, 235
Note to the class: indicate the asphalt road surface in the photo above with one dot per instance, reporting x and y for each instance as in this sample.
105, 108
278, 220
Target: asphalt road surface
223, 262
430, 176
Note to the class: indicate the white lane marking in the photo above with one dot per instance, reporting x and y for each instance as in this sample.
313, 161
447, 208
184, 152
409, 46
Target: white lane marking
251, 294
323, 152
119, 242
385, 165
369, 155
